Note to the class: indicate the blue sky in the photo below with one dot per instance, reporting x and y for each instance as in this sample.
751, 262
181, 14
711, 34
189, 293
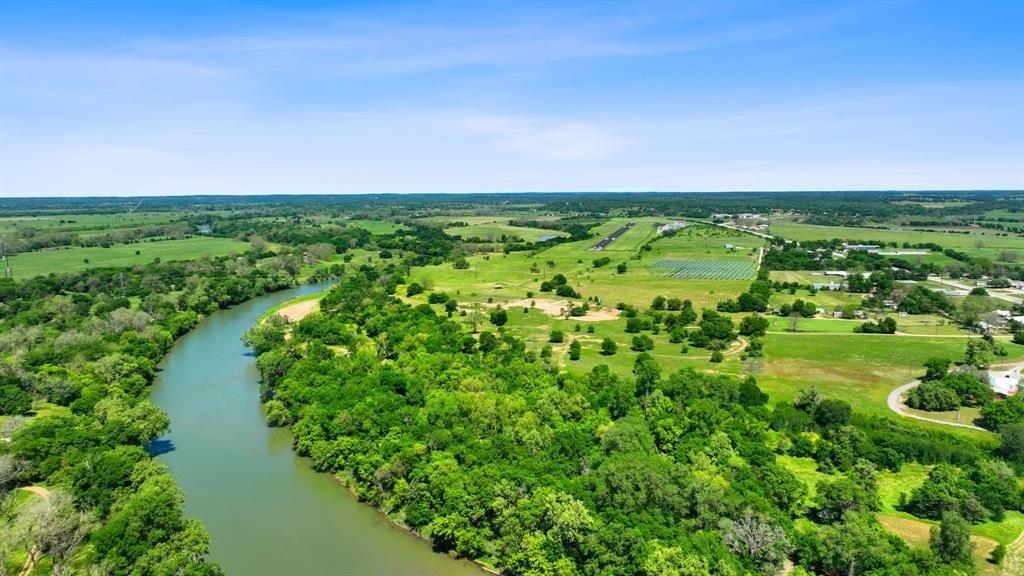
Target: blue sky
288, 97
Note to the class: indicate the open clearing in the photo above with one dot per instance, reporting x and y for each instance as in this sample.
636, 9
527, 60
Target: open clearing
42, 262
495, 232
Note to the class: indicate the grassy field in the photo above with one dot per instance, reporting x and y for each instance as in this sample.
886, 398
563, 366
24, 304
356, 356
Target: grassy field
631, 240
859, 368
375, 226
975, 243
925, 325
78, 222
41, 262
494, 231
503, 277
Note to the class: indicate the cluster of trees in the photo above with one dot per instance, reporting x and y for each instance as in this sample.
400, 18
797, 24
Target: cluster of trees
942, 390
885, 325
799, 307
981, 491
493, 453
755, 299
559, 284
90, 342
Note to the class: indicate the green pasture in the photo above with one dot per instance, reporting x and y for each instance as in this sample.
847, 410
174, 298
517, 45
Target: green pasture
699, 241
826, 299
60, 260
510, 276
859, 368
494, 232
975, 243
924, 325
375, 226
79, 222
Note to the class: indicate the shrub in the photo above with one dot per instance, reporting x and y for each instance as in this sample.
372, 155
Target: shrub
499, 317
609, 347
642, 343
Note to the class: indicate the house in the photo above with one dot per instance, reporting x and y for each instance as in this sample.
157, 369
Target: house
842, 273
831, 286
1005, 382
1004, 314
866, 247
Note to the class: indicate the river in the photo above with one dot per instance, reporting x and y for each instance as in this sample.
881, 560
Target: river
267, 511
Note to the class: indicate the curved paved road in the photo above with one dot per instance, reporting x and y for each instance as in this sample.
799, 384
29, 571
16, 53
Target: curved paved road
895, 401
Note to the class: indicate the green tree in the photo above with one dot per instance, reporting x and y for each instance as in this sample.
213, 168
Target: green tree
499, 317
647, 373
609, 347
754, 325
574, 350
1011, 443
951, 539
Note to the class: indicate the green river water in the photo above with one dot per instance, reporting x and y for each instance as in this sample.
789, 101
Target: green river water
267, 511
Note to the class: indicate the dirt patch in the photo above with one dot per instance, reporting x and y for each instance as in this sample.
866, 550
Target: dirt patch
560, 307
916, 533
299, 310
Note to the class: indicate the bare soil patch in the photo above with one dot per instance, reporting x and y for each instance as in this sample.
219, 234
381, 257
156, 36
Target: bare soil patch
299, 310
560, 307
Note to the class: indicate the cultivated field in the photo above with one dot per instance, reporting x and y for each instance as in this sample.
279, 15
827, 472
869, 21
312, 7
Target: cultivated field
705, 269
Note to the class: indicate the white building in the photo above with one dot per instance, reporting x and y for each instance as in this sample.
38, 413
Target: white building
1005, 382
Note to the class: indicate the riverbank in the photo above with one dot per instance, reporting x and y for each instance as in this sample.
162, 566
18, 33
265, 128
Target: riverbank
243, 480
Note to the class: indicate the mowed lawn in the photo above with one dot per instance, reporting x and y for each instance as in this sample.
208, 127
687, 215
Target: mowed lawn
43, 262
